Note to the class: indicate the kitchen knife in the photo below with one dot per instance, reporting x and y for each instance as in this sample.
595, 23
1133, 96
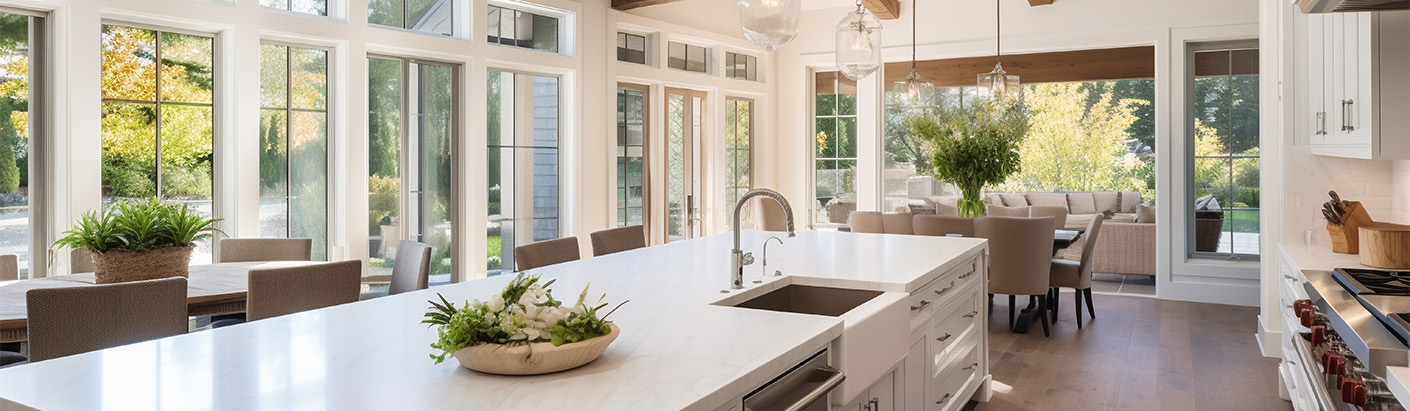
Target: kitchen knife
1331, 218
1328, 207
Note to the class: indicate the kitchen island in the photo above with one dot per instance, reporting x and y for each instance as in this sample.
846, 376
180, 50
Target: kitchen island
681, 347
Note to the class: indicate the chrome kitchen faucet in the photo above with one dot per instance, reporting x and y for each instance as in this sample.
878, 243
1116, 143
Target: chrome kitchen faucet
739, 258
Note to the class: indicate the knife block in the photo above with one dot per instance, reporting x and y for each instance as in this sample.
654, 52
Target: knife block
1345, 237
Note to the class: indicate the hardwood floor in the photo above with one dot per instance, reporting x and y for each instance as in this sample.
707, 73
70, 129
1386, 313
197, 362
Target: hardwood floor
1138, 354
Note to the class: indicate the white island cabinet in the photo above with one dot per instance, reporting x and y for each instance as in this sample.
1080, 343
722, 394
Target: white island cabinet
682, 344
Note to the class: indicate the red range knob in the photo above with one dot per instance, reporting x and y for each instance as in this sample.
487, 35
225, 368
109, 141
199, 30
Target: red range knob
1338, 366
1319, 334
1301, 305
1308, 318
1358, 394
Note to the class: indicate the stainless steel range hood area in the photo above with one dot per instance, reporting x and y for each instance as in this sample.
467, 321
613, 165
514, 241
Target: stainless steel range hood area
1338, 6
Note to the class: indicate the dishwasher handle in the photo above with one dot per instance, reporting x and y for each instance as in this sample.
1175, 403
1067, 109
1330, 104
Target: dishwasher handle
836, 376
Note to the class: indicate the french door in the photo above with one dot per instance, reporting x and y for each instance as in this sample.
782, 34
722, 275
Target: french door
685, 110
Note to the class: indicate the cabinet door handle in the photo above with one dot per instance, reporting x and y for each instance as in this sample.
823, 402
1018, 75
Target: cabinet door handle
946, 289
875, 404
971, 367
923, 303
1346, 112
967, 275
943, 399
946, 337
1321, 123
971, 314
1289, 277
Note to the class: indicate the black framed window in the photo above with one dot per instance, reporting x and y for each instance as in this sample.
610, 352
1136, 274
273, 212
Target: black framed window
631, 48
688, 57
522, 29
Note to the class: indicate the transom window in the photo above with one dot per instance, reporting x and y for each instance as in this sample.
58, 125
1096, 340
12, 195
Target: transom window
523, 29
315, 7
741, 66
631, 48
293, 161
430, 16
688, 57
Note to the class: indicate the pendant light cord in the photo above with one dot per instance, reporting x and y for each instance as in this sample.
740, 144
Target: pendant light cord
914, 28
998, 33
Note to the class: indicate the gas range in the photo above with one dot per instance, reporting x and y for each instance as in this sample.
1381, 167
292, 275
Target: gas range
1345, 336
1385, 294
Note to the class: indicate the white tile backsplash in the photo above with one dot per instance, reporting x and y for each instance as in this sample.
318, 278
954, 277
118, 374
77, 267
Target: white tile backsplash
1383, 187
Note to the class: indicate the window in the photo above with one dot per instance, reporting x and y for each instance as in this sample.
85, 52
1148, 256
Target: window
688, 57
631, 156
1224, 137
315, 7
293, 161
430, 16
158, 119
631, 48
411, 161
19, 83
739, 116
523, 29
523, 164
741, 66
835, 156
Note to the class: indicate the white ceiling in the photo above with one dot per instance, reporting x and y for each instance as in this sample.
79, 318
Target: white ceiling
718, 16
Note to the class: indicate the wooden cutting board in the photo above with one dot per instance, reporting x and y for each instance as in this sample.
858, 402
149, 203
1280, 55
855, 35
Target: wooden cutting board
1385, 245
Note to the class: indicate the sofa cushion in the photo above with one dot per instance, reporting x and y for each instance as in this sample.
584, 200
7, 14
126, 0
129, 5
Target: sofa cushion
1014, 200
1082, 203
993, 198
1145, 214
1001, 211
1079, 221
948, 210
1048, 199
1129, 201
1107, 201
1122, 218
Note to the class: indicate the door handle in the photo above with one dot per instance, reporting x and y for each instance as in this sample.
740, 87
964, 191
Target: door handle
923, 303
1347, 110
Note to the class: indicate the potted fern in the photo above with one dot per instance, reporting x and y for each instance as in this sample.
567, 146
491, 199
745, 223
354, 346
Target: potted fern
974, 147
133, 241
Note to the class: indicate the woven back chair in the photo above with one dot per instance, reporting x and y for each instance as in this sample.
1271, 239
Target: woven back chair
287, 290
234, 250
9, 267
546, 253
73, 320
413, 269
617, 240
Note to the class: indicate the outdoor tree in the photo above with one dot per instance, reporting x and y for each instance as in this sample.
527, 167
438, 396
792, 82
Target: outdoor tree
1077, 142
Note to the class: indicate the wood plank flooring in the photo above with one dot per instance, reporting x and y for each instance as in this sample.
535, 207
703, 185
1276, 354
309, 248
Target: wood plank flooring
1138, 354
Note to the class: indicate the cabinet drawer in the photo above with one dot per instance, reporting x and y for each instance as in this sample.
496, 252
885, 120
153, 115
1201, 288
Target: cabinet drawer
955, 322
940, 292
950, 384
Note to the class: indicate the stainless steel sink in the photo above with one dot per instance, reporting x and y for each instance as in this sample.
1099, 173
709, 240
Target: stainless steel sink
807, 299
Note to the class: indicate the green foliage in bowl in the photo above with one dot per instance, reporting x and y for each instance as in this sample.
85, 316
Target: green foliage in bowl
138, 226
524, 312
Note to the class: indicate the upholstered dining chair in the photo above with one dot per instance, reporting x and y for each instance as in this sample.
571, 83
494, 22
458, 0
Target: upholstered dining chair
546, 253
897, 223
286, 290
413, 268
938, 225
234, 250
618, 239
9, 267
72, 320
81, 261
1001, 211
866, 222
1077, 275
1020, 256
1058, 213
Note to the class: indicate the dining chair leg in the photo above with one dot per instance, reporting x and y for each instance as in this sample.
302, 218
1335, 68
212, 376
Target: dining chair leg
991, 303
1043, 301
1090, 308
1077, 298
1012, 303
1053, 299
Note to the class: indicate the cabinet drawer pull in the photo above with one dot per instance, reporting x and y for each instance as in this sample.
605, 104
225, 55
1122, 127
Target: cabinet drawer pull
971, 314
967, 275
923, 303
946, 337
943, 399
946, 289
1289, 277
1346, 113
971, 367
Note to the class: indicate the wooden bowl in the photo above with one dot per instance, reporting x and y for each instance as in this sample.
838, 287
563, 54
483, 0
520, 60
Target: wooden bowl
533, 358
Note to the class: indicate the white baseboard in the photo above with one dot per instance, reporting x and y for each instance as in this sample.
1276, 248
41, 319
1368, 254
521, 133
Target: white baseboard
1268, 341
1243, 293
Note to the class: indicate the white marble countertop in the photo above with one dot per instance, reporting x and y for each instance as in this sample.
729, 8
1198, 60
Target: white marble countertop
1320, 257
676, 350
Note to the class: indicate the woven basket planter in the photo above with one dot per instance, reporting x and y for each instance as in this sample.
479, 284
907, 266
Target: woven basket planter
116, 266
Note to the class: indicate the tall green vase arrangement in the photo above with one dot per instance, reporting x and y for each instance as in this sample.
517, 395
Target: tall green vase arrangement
974, 147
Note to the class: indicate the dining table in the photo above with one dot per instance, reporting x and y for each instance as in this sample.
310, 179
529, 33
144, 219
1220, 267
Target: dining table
211, 289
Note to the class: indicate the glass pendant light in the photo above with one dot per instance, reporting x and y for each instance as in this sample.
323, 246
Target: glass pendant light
858, 44
998, 83
916, 92
769, 23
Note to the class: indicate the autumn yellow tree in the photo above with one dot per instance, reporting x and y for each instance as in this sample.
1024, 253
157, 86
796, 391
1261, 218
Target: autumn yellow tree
1078, 144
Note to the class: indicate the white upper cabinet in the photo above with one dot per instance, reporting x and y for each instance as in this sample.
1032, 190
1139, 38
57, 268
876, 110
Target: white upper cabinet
1358, 100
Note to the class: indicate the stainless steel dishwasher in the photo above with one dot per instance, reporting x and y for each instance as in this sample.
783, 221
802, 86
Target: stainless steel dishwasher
802, 388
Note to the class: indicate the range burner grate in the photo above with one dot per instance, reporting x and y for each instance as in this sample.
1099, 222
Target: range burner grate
1378, 282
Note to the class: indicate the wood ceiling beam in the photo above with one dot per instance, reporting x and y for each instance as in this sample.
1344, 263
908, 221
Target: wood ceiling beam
624, 5
1040, 2
884, 9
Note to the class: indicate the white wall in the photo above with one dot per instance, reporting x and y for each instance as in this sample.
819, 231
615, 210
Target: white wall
963, 29
588, 118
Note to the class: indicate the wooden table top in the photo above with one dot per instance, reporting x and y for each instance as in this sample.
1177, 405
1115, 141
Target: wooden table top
211, 290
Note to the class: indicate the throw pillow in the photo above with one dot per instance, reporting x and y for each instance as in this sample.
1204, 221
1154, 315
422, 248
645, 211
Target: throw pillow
1107, 200
1048, 199
1081, 203
1129, 201
1145, 214
1014, 200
